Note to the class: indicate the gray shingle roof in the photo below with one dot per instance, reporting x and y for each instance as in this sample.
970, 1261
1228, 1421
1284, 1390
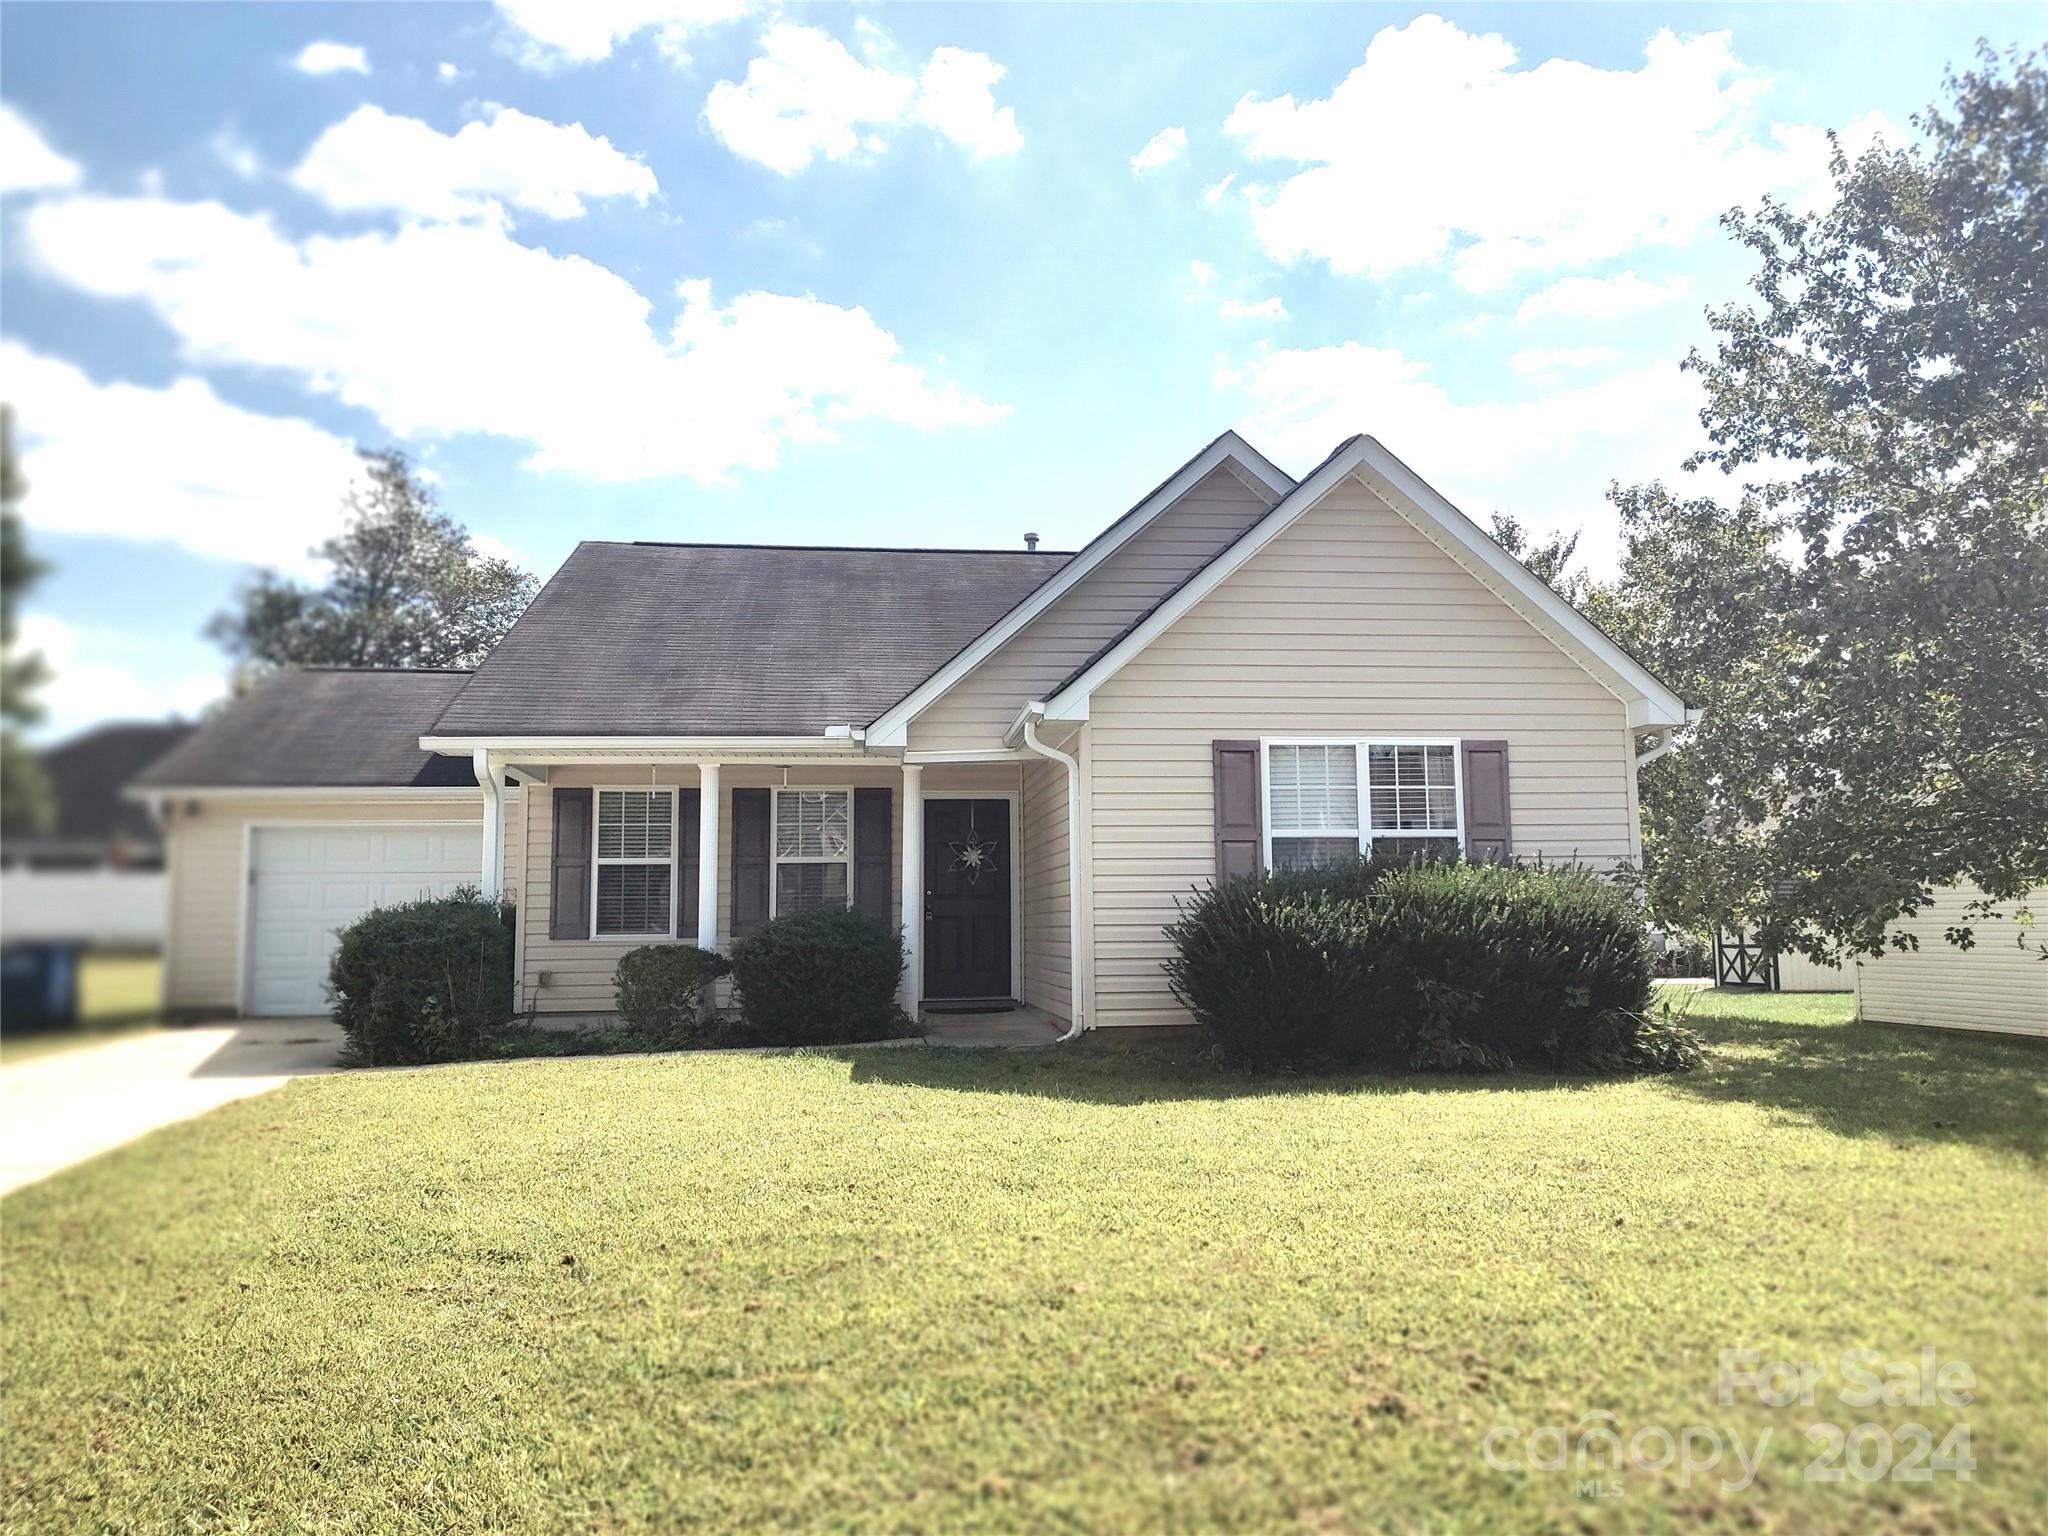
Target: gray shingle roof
734, 640
357, 728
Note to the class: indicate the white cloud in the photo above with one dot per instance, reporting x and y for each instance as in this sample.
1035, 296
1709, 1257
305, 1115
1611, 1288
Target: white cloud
447, 71
27, 163
1549, 459
371, 159
176, 464
551, 33
1562, 358
1601, 298
1213, 193
95, 676
236, 153
1437, 143
806, 97
956, 96
1201, 272
491, 547
329, 58
1163, 148
449, 329
1253, 309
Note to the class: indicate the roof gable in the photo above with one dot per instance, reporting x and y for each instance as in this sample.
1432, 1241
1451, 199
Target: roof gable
891, 726
1648, 700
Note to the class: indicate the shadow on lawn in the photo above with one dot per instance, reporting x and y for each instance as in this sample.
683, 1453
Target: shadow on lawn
1904, 1085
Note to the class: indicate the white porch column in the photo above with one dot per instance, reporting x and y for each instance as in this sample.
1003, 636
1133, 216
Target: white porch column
707, 855
492, 878
911, 994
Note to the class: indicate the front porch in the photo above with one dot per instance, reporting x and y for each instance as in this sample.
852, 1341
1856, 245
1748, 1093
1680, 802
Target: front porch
968, 858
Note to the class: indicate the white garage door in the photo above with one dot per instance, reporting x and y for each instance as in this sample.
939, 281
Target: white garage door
310, 882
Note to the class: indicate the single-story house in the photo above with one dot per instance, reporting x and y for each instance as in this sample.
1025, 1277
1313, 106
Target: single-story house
1022, 758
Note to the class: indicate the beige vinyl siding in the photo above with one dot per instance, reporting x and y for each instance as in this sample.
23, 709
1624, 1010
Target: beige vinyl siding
1048, 909
575, 975
1350, 623
205, 853
1796, 973
1102, 604
1995, 985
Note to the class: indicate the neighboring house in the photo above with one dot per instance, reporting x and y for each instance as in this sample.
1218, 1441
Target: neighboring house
95, 875
1023, 759
1999, 984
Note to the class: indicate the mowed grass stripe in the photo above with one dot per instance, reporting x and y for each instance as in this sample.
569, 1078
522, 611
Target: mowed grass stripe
933, 1290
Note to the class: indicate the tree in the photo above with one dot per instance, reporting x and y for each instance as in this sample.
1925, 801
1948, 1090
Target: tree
1867, 628
26, 804
1549, 561
405, 588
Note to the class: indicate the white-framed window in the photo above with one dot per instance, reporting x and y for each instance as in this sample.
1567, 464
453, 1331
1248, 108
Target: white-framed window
813, 850
634, 894
1328, 801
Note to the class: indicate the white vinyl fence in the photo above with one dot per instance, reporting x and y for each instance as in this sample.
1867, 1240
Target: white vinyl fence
111, 908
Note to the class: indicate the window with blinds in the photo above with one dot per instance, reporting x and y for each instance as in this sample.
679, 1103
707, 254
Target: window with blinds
1321, 809
1413, 789
813, 849
1312, 804
635, 856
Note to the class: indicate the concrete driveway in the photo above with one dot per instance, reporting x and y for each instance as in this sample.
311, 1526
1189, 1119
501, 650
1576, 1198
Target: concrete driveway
62, 1109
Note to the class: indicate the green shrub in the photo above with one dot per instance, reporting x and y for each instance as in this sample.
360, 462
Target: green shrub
1427, 965
1550, 956
424, 980
1268, 969
819, 978
663, 993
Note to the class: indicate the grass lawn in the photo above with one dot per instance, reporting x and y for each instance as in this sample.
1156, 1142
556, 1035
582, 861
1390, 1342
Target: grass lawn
925, 1290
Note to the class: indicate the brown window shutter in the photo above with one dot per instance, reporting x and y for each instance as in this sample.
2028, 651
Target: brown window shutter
1239, 817
871, 856
749, 860
1487, 831
569, 871
688, 831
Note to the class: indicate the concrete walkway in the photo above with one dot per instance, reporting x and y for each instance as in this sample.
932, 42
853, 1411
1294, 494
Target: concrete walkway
62, 1109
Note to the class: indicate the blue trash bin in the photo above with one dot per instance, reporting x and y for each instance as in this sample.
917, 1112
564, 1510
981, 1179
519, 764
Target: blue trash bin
38, 986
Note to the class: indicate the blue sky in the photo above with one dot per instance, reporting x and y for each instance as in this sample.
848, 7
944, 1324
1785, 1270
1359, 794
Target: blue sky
699, 269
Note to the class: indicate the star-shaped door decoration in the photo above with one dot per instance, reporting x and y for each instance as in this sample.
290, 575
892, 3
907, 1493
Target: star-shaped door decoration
974, 855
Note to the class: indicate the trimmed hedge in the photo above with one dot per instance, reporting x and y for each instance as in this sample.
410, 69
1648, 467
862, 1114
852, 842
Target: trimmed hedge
1423, 966
819, 978
662, 991
424, 980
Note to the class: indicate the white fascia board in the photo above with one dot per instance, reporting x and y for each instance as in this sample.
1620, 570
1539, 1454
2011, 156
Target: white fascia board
1457, 535
892, 728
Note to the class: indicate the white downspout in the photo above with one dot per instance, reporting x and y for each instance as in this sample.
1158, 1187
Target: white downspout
1032, 715
493, 874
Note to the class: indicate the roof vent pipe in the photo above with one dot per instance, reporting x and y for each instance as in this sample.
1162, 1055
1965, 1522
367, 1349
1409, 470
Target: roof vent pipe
1031, 541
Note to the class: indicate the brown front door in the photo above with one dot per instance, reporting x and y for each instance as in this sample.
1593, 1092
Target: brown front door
967, 870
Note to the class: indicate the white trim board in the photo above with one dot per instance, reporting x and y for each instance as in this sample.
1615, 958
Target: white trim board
1649, 702
892, 727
